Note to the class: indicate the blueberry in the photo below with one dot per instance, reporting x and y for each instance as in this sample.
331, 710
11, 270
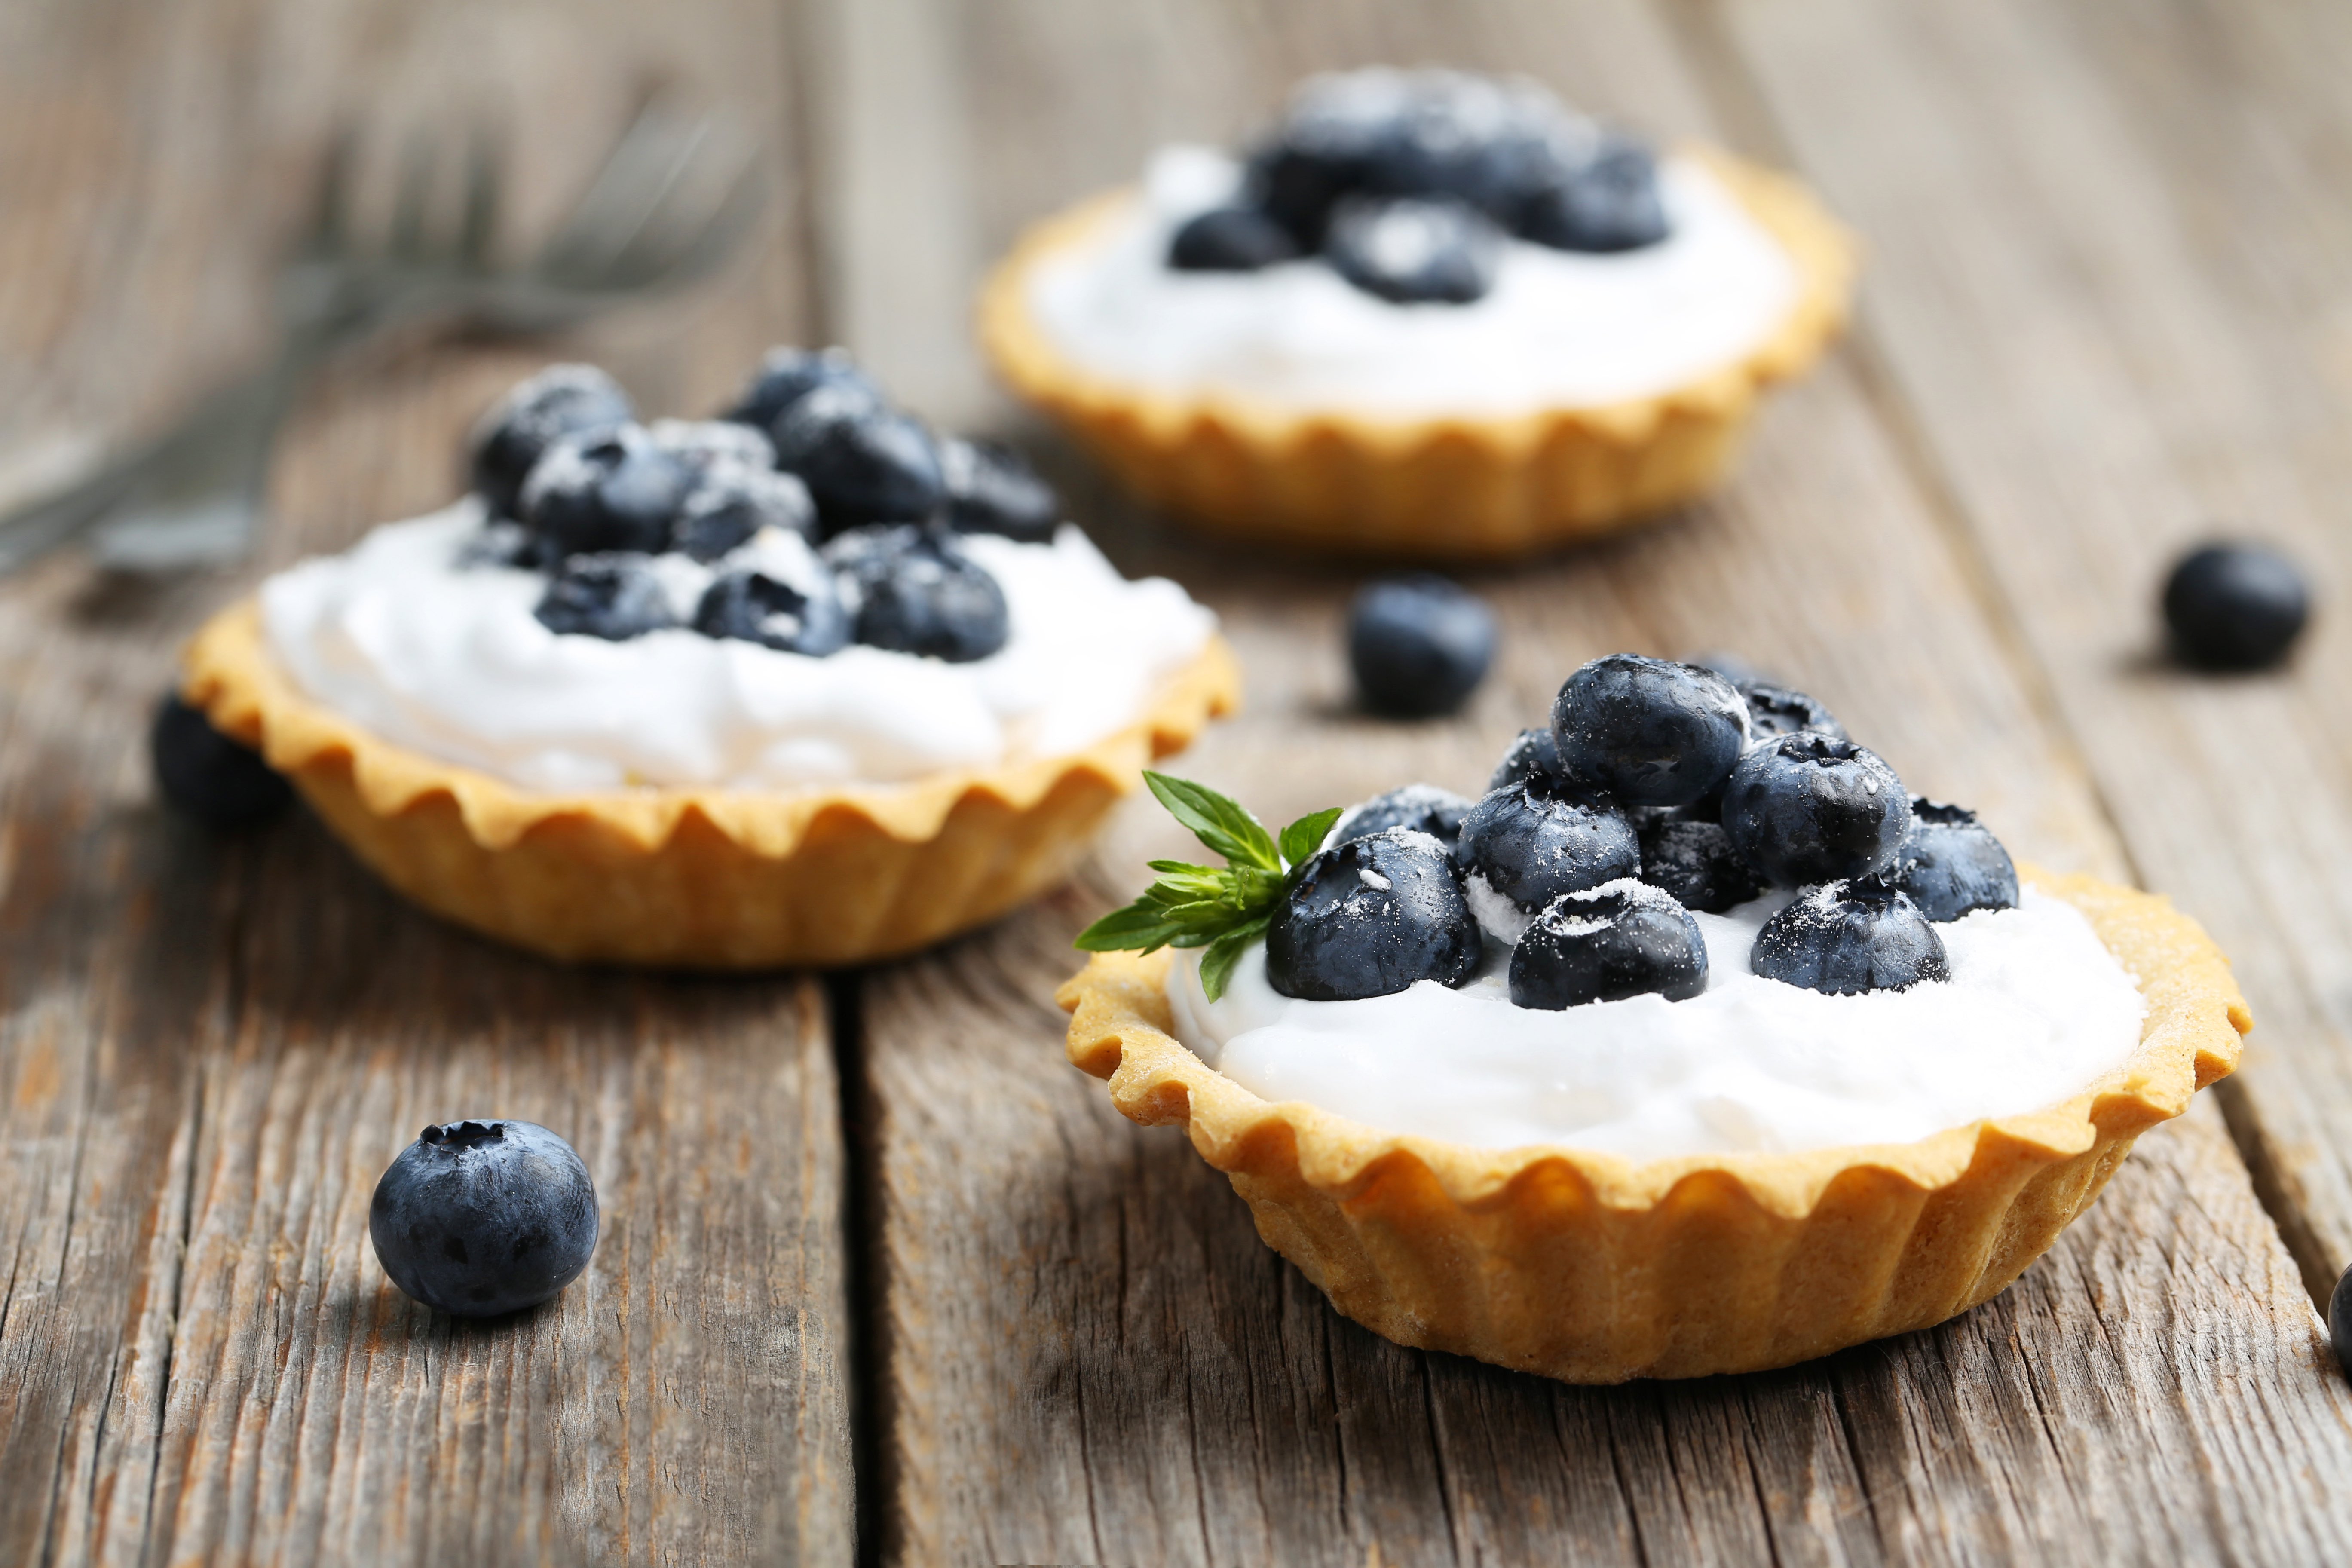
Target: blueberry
991, 489
2339, 1320
1419, 646
1531, 845
1849, 937
1230, 239
2235, 606
709, 444
863, 461
1781, 710
1606, 944
1812, 808
1424, 808
1370, 917
1950, 863
509, 441
917, 592
757, 608
1693, 860
1533, 757
614, 597
1335, 128
476, 1218
786, 375
1409, 250
730, 504
207, 776
1608, 204
1649, 731
609, 490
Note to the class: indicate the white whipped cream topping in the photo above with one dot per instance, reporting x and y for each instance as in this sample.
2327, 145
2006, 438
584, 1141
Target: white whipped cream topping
1559, 330
2036, 1010
446, 659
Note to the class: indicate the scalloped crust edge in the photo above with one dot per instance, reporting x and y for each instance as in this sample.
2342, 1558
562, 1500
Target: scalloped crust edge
1439, 488
1593, 1269
695, 878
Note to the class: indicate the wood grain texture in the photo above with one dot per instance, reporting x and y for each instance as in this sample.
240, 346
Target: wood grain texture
2110, 302
1089, 1356
210, 1049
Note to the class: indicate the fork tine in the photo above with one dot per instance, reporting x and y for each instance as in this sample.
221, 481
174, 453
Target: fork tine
331, 204
412, 202
477, 227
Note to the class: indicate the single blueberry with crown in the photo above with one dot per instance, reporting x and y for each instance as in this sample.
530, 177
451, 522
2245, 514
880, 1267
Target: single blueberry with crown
991, 489
609, 490
207, 776
1649, 731
863, 461
511, 438
1424, 808
1532, 758
915, 590
1230, 239
1810, 809
1370, 917
479, 1218
1774, 710
1410, 251
1693, 860
1848, 937
613, 596
755, 607
1950, 863
728, 505
1530, 846
788, 375
2235, 606
1418, 645
1622, 939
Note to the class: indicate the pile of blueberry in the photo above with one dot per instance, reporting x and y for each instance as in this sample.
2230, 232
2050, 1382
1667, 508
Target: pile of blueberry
1659, 788
574, 487
1408, 183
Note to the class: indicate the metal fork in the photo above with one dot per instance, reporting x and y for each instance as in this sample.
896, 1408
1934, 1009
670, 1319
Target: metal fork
193, 495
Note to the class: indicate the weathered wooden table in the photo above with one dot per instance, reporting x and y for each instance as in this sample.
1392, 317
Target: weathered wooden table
881, 1277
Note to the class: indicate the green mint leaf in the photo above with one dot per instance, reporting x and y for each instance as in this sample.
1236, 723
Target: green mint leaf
1217, 822
1306, 836
1254, 891
1141, 927
1217, 964
1178, 868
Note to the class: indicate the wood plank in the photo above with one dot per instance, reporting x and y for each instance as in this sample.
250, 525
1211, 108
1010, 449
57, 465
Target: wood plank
1089, 1356
211, 1049
2109, 302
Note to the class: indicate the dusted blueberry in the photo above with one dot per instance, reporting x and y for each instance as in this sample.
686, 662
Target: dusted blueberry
1531, 846
611, 490
1694, 861
1230, 239
1335, 128
2235, 606
705, 445
991, 489
1606, 944
1649, 731
863, 461
730, 504
1424, 808
1846, 938
1811, 808
1412, 251
786, 375
614, 597
1370, 917
1419, 646
1534, 757
1780, 711
204, 772
916, 591
1608, 204
477, 1218
1950, 863
757, 608
509, 441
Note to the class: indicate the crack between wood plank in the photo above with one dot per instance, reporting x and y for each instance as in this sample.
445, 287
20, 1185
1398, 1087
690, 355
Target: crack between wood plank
873, 1478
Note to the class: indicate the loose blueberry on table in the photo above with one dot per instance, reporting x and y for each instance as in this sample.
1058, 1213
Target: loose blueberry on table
1577, 874
482, 1217
2235, 606
207, 776
814, 514
1418, 645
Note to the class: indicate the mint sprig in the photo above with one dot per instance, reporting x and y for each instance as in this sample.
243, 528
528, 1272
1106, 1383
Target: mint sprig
1225, 909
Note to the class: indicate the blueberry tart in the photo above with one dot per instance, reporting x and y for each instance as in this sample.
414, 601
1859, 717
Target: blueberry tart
1426, 314
804, 684
1834, 1069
